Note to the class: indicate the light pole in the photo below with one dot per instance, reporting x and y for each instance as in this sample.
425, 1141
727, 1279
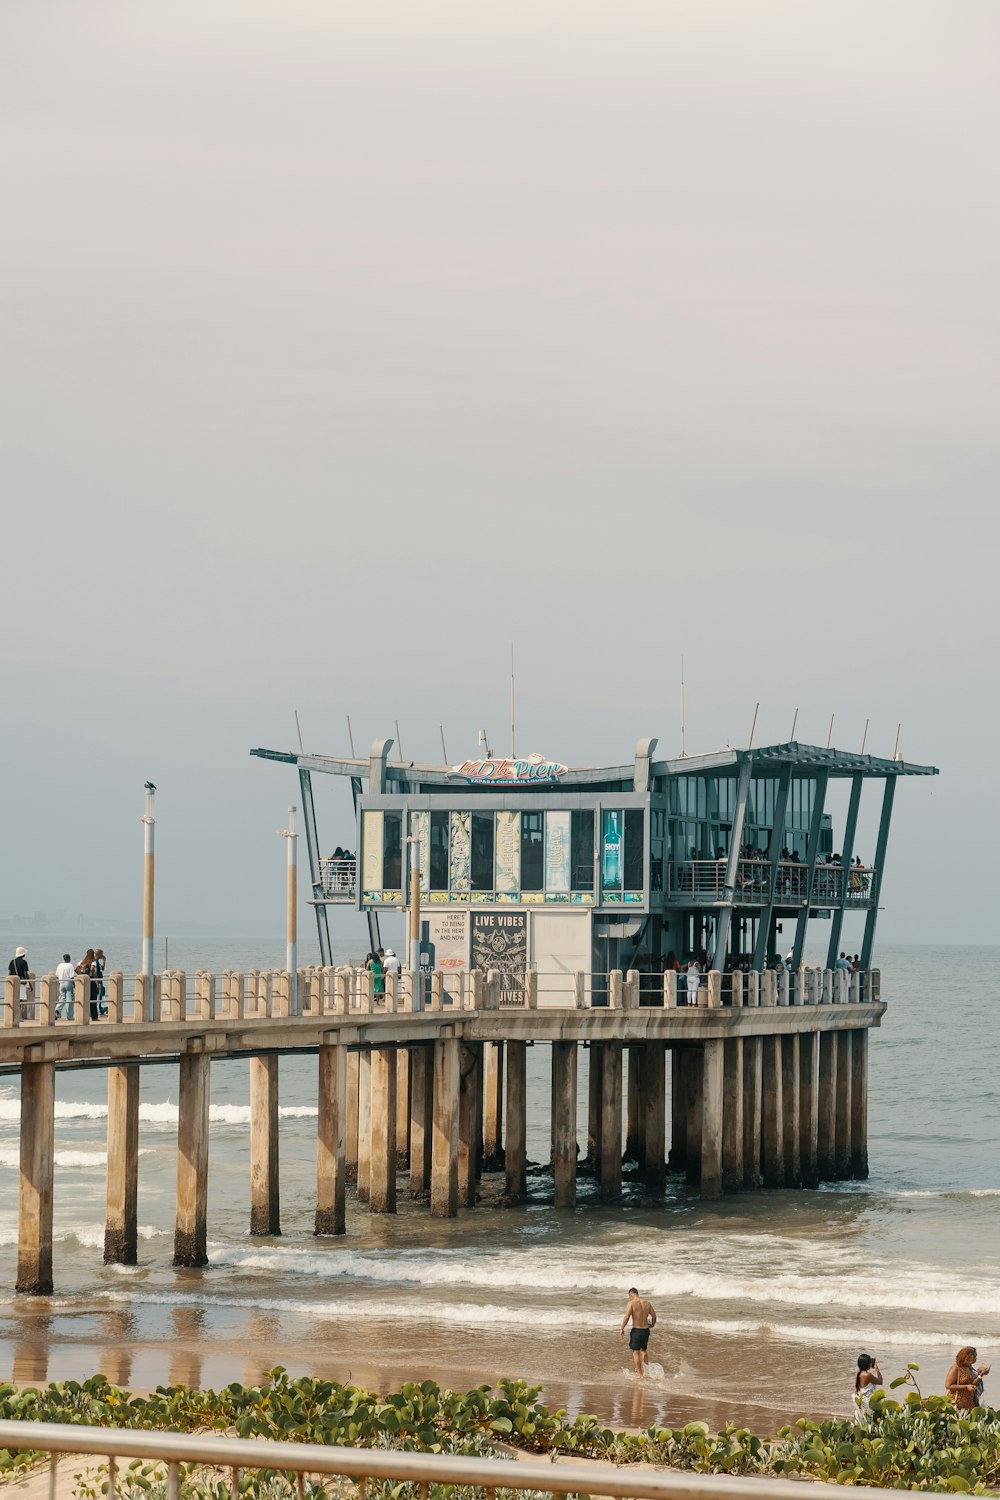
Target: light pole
414, 843
148, 886
291, 916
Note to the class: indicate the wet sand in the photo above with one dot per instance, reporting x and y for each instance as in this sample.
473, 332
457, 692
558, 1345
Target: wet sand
55, 1342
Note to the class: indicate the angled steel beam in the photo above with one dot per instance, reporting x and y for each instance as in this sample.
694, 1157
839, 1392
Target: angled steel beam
315, 878
846, 854
812, 850
724, 919
879, 863
374, 940
773, 855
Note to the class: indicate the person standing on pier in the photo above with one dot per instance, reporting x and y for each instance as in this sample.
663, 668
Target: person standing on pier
642, 1316
65, 973
18, 966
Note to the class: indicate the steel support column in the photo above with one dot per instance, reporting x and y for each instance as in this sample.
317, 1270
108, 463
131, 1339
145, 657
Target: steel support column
846, 855
773, 856
315, 878
725, 914
879, 862
812, 850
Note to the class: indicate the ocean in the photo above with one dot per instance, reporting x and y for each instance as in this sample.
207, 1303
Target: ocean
764, 1300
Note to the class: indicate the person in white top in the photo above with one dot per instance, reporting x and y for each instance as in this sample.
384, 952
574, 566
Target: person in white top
390, 963
66, 975
693, 981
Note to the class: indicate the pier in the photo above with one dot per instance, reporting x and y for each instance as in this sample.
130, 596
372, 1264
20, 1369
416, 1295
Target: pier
762, 1083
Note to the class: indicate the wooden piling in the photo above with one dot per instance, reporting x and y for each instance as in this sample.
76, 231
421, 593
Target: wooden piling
842, 1126
121, 1201
421, 1119
790, 1111
403, 1056
753, 1091
633, 1112
493, 1107
564, 1147
444, 1152
191, 1224
469, 1115
37, 1163
809, 1107
265, 1214
382, 1153
827, 1105
595, 1076
772, 1121
331, 1138
678, 1112
364, 1125
609, 1164
692, 1094
712, 1079
653, 1103
515, 1122
859, 1103
732, 1115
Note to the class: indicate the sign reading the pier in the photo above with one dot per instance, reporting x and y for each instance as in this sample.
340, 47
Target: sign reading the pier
500, 941
527, 772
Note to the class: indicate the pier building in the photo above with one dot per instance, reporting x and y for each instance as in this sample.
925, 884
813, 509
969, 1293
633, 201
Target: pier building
529, 866
554, 898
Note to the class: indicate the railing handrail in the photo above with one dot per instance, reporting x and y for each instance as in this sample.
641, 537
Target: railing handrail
575, 1477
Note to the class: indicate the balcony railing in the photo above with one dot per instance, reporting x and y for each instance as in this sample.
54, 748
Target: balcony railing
338, 879
704, 880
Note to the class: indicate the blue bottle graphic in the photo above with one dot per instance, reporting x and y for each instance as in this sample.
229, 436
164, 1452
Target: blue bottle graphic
612, 878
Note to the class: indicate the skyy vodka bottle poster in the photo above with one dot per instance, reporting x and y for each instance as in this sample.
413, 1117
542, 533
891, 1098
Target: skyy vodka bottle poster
612, 851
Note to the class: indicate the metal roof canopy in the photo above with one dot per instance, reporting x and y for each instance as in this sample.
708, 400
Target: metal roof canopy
766, 759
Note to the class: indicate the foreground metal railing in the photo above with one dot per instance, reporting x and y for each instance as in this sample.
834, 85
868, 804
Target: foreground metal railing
523, 1476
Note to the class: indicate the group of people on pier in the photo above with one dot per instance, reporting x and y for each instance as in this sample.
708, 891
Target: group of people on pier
92, 966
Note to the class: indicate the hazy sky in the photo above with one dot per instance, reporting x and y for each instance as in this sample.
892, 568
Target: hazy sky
343, 345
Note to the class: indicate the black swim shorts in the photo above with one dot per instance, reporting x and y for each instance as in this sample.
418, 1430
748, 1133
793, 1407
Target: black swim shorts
638, 1338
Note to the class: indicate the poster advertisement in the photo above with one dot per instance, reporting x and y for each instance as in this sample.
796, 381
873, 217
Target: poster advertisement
447, 934
371, 852
500, 941
460, 853
611, 851
508, 852
557, 826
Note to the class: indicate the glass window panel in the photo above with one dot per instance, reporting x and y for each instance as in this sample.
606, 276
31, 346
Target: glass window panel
392, 851
582, 855
532, 851
635, 849
482, 851
460, 853
439, 851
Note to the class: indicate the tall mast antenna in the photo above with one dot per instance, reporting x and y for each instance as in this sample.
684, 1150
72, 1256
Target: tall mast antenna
399, 743
795, 720
350, 737
443, 750
298, 731
512, 750
683, 752
753, 726
895, 748
864, 738
829, 733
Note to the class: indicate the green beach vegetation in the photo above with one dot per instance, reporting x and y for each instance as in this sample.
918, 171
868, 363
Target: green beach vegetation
921, 1443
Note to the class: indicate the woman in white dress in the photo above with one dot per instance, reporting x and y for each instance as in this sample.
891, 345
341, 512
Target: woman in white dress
866, 1382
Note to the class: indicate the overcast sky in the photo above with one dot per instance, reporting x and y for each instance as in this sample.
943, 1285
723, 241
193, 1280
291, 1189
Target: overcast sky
343, 345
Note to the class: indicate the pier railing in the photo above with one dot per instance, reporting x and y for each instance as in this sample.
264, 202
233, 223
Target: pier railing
757, 884
261, 994
178, 1452
338, 879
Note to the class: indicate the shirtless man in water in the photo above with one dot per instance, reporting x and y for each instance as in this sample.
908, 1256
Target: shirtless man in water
643, 1319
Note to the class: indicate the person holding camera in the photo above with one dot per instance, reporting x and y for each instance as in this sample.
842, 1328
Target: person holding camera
963, 1382
866, 1382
